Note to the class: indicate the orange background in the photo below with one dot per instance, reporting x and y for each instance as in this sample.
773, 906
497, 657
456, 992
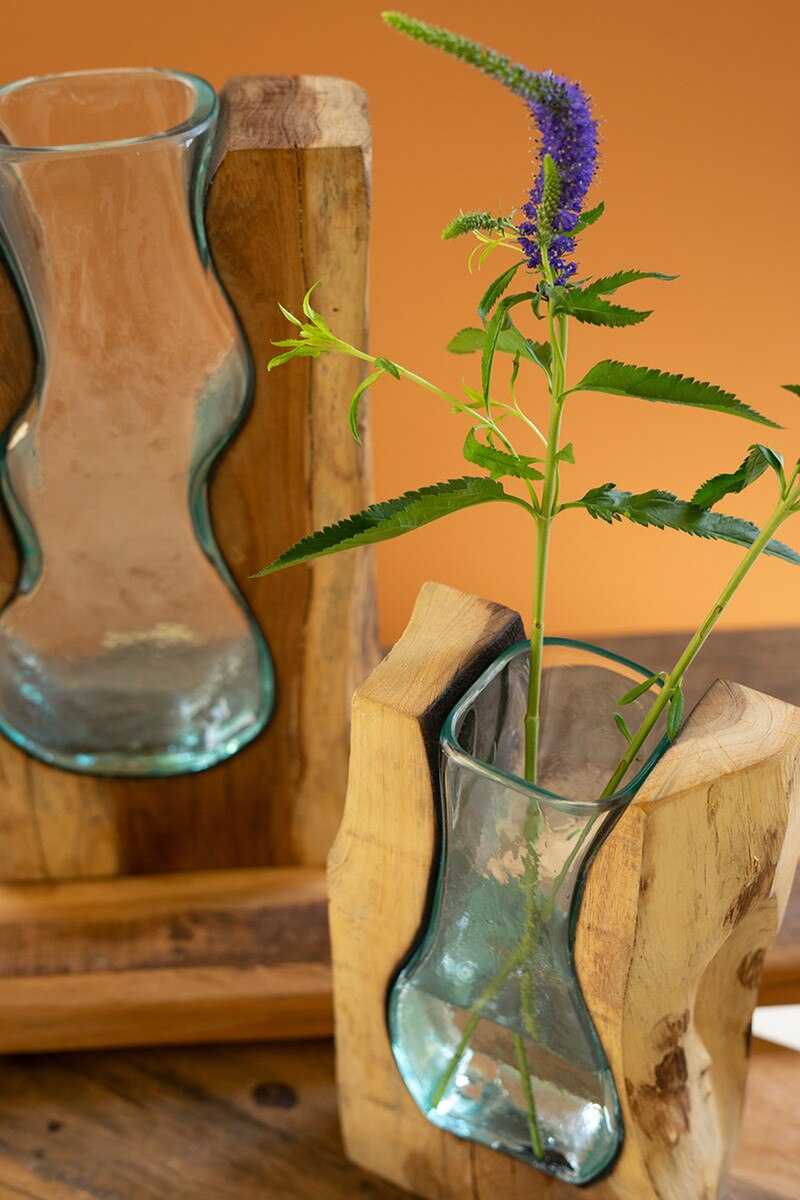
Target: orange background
700, 176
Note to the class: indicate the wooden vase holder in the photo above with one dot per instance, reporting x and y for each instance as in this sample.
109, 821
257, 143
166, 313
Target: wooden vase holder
681, 905
193, 908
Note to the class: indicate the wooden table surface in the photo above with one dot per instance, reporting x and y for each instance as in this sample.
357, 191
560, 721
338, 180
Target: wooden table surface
258, 1121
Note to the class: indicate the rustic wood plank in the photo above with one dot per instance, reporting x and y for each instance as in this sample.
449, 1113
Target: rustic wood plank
678, 861
187, 957
260, 1120
289, 204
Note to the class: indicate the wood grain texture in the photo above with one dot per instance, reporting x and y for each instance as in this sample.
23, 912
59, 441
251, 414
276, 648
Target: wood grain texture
289, 204
249, 1121
207, 956
709, 846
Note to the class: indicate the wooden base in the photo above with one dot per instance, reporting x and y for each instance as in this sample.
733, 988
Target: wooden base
680, 907
200, 957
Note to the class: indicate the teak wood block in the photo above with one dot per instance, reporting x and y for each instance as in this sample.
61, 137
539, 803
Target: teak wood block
680, 906
288, 205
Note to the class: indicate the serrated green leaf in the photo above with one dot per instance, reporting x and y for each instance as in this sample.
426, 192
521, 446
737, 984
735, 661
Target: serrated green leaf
499, 462
594, 310
566, 454
391, 518
510, 341
675, 713
352, 415
609, 283
791, 387
589, 218
385, 364
496, 289
639, 690
622, 726
646, 383
759, 460
664, 511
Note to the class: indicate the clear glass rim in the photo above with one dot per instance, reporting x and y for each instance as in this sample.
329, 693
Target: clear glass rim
453, 750
206, 104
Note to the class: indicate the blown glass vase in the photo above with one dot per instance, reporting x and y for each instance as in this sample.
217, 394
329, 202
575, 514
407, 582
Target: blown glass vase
126, 648
488, 1024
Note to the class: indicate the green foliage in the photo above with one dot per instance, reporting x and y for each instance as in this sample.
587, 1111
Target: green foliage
499, 462
384, 367
388, 367
645, 383
493, 330
640, 689
759, 460
792, 387
509, 341
566, 454
664, 511
352, 416
622, 726
391, 518
314, 339
608, 284
496, 289
592, 309
675, 712
589, 217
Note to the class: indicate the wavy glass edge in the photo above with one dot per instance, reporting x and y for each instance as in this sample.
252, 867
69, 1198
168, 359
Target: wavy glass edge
450, 745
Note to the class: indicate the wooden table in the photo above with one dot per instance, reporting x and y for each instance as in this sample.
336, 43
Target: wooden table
258, 1121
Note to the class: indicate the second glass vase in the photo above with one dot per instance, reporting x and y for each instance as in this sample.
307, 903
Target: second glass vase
127, 648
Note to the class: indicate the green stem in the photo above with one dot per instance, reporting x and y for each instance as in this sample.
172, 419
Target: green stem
674, 679
530, 1103
558, 341
489, 992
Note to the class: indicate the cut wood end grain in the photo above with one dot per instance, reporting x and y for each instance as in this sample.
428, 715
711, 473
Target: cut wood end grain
303, 111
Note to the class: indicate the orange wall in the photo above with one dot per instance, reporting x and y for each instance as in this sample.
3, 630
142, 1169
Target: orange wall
700, 174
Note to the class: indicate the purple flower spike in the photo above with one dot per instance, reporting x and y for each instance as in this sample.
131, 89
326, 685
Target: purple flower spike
566, 126
569, 135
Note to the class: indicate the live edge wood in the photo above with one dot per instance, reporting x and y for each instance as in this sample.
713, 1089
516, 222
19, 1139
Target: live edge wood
680, 907
289, 205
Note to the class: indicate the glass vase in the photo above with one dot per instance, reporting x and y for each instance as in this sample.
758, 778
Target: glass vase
488, 1025
126, 648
